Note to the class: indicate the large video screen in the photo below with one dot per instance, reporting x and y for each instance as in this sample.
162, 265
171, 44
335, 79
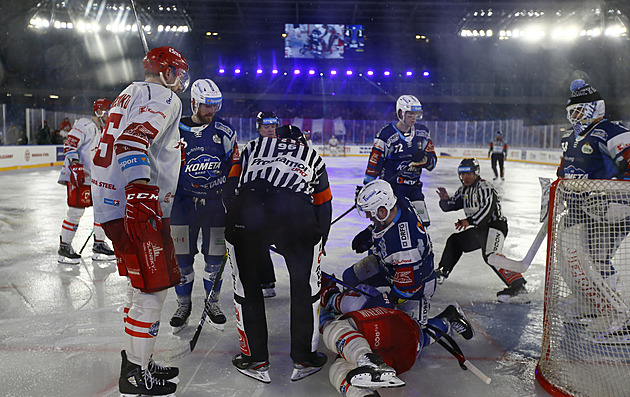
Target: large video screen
322, 41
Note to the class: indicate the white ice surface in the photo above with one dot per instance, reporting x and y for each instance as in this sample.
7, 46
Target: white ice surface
61, 328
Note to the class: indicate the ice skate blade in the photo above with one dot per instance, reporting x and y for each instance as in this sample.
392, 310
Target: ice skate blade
364, 381
301, 373
177, 330
147, 395
68, 261
262, 376
103, 257
220, 327
518, 299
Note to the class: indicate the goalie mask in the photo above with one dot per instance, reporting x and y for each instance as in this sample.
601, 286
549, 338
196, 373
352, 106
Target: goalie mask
585, 105
373, 196
207, 92
408, 103
264, 118
468, 165
158, 60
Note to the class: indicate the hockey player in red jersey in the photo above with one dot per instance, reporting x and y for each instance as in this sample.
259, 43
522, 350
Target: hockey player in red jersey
136, 168
76, 175
374, 341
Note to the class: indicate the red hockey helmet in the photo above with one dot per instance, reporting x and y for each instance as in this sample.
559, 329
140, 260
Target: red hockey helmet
101, 106
159, 59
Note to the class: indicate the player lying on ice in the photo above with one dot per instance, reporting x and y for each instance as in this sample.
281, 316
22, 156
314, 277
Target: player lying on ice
375, 342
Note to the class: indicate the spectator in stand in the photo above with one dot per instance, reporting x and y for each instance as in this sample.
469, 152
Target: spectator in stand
43, 138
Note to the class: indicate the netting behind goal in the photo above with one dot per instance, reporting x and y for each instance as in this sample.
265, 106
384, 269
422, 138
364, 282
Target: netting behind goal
586, 339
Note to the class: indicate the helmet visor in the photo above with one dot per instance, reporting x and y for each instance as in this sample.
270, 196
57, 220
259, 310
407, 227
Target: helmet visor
183, 77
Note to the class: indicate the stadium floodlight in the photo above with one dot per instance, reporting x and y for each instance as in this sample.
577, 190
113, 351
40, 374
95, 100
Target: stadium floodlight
237, 71
221, 71
387, 73
274, 71
333, 72
258, 71
370, 73
311, 72
426, 74
349, 72
296, 71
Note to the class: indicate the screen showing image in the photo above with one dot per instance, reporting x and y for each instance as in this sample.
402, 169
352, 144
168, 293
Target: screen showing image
318, 41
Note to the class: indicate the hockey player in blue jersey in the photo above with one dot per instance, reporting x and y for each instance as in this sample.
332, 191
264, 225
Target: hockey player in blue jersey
402, 254
401, 151
210, 149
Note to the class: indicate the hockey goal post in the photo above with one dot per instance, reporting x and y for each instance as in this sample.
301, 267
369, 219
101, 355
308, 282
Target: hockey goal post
586, 333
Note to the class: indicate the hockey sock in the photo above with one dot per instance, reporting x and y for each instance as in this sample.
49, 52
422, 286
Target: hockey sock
438, 323
342, 338
337, 373
142, 325
70, 224
99, 233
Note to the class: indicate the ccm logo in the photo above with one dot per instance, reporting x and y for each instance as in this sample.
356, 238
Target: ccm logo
142, 196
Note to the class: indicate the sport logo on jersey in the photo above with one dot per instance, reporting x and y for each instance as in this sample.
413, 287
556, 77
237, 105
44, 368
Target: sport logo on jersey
587, 149
203, 166
403, 233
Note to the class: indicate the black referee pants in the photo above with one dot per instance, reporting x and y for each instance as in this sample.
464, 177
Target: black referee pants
259, 217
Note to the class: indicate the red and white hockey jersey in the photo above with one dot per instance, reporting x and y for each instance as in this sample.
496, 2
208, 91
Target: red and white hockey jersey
79, 145
140, 141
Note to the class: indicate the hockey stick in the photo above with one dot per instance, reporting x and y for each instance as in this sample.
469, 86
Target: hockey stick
86, 241
335, 279
143, 39
193, 342
501, 262
456, 352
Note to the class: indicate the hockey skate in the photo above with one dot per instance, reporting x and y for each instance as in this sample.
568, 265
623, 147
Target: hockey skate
162, 372
458, 321
102, 252
515, 293
67, 254
258, 370
180, 318
268, 290
372, 372
217, 318
134, 381
303, 369
357, 392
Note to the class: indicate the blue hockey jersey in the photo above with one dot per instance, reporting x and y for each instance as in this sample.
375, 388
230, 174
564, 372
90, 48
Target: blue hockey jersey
210, 150
406, 250
392, 152
599, 152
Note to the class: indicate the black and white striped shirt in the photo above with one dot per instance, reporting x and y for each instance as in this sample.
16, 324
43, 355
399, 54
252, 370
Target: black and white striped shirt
480, 202
284, 163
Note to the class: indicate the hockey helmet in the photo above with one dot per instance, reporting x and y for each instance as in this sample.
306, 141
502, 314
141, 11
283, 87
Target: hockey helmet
158, 60
408, 103
291, 132
263, 118
468, 165
101, 106
584, 106
207, 92
374, 195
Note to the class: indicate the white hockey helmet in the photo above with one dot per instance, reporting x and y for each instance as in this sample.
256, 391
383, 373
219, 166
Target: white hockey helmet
205, 91
408, 103
585, 105
375, 195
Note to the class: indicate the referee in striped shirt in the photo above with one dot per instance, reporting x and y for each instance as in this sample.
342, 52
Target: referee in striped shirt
278, 194
484, 227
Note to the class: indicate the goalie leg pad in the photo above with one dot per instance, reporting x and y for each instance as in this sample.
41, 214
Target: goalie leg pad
151, 265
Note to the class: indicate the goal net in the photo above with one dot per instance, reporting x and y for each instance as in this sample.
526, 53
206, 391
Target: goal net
335, 148
586, 327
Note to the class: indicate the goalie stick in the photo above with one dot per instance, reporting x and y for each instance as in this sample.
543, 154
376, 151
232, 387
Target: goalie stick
180, 353
500, 261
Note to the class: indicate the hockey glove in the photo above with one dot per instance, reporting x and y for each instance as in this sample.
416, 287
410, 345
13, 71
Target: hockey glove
77, 174
143, 213
362, 241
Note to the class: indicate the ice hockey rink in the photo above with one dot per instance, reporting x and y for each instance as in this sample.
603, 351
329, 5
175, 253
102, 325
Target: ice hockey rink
61, 328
